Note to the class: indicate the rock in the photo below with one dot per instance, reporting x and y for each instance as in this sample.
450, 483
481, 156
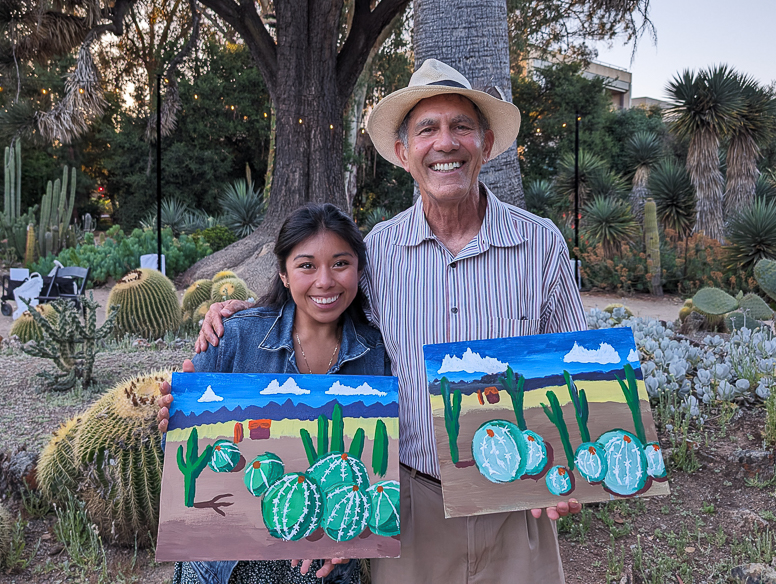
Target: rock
753, 574
748, 519
17, 470
140, 344
692, 324
160, 344
11, 342
752, 462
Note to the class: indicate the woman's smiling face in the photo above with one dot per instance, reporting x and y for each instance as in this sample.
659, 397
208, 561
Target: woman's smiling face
322, 276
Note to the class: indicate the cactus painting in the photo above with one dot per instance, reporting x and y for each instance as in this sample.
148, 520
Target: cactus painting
524, 422
322, 483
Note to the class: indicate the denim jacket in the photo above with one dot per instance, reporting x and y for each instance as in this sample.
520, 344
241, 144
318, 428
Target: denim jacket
259, 340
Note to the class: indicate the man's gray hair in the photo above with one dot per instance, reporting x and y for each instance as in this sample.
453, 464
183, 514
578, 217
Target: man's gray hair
404, 128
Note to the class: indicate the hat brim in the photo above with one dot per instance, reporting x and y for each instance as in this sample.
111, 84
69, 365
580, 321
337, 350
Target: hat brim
385, 118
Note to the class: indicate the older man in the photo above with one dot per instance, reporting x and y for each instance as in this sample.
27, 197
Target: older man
459, 265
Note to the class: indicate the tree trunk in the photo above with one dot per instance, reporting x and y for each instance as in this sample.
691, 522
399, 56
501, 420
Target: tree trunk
742, 174
473, 38
703, 168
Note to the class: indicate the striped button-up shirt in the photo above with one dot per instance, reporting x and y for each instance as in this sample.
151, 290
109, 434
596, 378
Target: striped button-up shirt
514, 278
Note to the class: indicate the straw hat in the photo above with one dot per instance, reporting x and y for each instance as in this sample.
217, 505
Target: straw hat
435, 78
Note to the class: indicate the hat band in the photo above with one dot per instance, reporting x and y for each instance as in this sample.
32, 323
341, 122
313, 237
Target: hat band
448, 83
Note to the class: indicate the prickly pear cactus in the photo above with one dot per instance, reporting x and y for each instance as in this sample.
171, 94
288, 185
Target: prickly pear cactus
225, 456
385, 517
347, 510
57, 473
262, 472
118, 447
713, 302
223, 275
196, 294
148, 304
765, 274
559, 481
537, 457
27, 329
656, 466
737, 320
627, 464
590, 461
6, 534
755, 307
229, 289
292, 507
500, 451
337, 468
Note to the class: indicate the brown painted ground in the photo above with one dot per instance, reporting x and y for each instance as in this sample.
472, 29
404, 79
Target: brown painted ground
202, 532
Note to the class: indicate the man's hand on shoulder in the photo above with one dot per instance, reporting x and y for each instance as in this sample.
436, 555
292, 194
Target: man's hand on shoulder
562, 509
213, 327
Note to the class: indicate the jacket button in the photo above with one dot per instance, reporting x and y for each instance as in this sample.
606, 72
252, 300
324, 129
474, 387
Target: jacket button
454, 310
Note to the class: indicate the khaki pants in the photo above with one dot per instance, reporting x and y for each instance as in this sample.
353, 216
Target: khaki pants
511, 548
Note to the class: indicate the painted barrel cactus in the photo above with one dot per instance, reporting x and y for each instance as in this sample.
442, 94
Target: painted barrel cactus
225, 456
347, 509
656, 466
500, 451
262, 472
292, 507
337, 468
590, 461
560, 481
537, 457
627, 464
385, 517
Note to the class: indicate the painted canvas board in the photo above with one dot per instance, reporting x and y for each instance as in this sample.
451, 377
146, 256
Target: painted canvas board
525, 422
267, 467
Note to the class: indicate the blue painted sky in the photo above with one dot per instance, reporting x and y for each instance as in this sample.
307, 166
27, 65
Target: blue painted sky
260, 389
534, 356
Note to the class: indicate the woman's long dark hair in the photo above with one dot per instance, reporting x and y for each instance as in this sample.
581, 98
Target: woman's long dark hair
305, 222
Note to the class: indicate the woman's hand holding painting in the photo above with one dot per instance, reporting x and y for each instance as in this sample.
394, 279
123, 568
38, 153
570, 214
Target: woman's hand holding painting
560, 510
164, 400
325, 570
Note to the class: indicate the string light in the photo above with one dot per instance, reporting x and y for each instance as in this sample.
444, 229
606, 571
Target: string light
331, 126
362, 130
43, 91
196, 96
245, 118
564, 124
232, 108
300, 120
265, 114
80, 90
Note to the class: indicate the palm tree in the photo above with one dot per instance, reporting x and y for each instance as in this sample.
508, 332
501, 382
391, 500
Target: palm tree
645, 150
705, 107
753, 126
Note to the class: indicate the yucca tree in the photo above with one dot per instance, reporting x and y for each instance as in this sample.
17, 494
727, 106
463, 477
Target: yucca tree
608, 183
540, 197
609, 221
670, 187
705, 107
752, 235
644, 151
765, 187
754, 126
590, 166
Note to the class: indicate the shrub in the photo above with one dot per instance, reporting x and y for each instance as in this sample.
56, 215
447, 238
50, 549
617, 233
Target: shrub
243, 207
217, 237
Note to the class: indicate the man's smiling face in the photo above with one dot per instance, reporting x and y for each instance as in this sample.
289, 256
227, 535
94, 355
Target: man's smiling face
445, 148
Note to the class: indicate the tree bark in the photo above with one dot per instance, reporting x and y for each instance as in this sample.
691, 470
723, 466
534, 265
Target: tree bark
742, 174
706, 177
473, 38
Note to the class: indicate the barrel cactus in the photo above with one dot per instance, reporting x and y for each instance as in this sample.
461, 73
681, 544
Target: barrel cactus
538, 456
223, 275
500, 451
196, 294
590, 461
262, 472
627, 464
292, 507
225, 456
118, 448
57, 472
338, 468
201, 311
6, 534
385, 516
148, 304
347, 510
229, 289
27, 329
559, 481
656, 466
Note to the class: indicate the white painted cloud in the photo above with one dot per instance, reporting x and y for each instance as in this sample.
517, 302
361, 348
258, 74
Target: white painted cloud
289, 387
210, 396
471, 363
604, 354
633, 356
364, 389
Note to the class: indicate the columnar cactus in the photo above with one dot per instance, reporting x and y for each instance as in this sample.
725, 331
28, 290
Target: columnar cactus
385, 517
627, 463
380, 449
347, 510
57, 473
30, 249
500, 451
262, 472
27, 329
196, 294
147, 304
338, 468
224, 457
292, 507
118, 448
652, 245
56, 211
229, 289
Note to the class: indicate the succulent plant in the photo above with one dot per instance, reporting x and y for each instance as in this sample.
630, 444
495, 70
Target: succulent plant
58, 474
686, 309
338, 468
201, 311
6, 534
262, 473
229, 289
222, 275
118, 448
610, 308
500, 451
292, 507
224, 456
385, 517
765, 274
347, 509
27, 329
196, 294
147, 304
713, 302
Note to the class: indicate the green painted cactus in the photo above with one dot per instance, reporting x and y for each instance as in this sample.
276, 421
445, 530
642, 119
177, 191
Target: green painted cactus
656, 466
765, 274
385, 501
338, 468
192, 465
559, 481
500, 451
292, 507
27, 329
452, 413
57, 473
147, 304
229, 289
262, 472
714, 302
631, 392
347, 509
627, 463
224, 456
590, 461
380, 449
196, 294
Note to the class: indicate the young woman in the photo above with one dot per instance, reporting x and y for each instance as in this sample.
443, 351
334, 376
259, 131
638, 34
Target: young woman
311, 321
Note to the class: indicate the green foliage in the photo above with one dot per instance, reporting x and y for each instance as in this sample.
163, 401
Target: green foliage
71, 343
121, 253
73, 530
540, 197
175, 214
752, 235
591, 167
644, 150
609, 222
769, 434
217, 237
380, 449
192, 465
765, 187
670, 187
452, 413
631, 393
145, 303
555, 414
373, 217
6, 534
243, 207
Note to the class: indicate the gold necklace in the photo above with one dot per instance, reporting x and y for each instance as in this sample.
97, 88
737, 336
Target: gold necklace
301, 349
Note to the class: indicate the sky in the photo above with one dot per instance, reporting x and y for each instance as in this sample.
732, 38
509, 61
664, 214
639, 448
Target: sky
693, 34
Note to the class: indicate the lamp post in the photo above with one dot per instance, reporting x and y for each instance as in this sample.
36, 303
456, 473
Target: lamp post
576, 198
159, 172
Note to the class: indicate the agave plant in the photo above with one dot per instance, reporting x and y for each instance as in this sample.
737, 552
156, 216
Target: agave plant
174, 216
610, 222
765, 187
670, 187
243, 206
539, 197
608, 183
752, 235
197, 219
590, 166
644, 151
373, 217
